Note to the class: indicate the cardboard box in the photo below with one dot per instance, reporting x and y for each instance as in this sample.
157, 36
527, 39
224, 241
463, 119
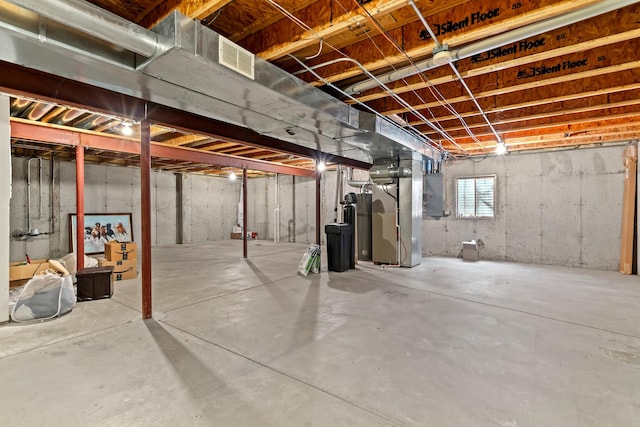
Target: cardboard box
21, 271
122, 269
116, 251
236, 235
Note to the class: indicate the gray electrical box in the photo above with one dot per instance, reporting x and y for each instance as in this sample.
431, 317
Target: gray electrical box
433, 200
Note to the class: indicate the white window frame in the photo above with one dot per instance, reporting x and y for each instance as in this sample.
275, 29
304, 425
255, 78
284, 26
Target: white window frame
474, 215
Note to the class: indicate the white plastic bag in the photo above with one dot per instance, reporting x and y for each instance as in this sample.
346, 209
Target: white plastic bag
44, 297
310, 261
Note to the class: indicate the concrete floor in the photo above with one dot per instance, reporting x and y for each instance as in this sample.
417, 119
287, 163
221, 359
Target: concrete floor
248, 342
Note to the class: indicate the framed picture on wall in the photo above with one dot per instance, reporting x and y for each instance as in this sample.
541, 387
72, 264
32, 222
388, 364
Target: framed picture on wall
99, 229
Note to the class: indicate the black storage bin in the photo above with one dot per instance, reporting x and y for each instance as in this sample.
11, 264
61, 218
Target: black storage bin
339, 246
94, 283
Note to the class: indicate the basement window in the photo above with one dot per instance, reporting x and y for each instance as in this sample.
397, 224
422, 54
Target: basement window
475, 197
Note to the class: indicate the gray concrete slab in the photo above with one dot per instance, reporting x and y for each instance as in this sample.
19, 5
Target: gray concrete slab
250, 342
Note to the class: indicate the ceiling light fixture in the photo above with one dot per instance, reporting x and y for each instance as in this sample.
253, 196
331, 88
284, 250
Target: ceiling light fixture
501, 148
232, 176
320, 166
441, 55
126, 128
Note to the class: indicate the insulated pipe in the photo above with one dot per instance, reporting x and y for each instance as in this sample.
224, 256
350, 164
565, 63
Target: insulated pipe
97, 22
145, 215
354, 183
496, 41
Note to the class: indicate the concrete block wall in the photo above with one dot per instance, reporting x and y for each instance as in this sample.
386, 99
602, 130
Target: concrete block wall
209, 205
559, 207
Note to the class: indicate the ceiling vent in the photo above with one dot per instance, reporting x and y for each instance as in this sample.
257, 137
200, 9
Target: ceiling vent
233, 56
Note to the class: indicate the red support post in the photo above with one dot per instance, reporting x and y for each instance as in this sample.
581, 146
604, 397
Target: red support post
145, 220
79, 207
244, 213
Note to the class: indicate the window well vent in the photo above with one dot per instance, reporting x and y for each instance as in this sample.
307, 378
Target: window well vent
238, 59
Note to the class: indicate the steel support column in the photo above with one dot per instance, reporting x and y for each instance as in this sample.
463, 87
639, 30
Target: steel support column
244, 213
80, 207
145, 220
318, 199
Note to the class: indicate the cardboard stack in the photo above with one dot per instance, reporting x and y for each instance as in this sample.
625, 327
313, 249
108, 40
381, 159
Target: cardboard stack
123, 257
21, 272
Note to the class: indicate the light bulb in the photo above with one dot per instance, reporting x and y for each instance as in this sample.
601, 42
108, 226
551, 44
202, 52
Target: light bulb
501, 148
320, 166
232, 176
127, 129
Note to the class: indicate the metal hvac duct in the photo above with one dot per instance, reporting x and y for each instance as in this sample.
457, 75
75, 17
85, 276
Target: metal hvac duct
177, 65
92, 20
386, 174
495, 42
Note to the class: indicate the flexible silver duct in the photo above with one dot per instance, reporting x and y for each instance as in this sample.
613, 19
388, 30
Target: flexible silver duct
91, 19
496, 41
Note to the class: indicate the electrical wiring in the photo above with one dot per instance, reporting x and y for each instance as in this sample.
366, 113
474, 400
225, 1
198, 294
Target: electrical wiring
347, 58
386, 190
458, 75
440, 129
316, 75
441, 100
434, 91
439, 97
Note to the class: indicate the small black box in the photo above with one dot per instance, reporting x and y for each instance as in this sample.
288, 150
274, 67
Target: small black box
94, 283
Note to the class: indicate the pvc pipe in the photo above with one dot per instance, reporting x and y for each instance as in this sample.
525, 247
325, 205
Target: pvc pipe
337, 198
29, 195
276, 213
497, 41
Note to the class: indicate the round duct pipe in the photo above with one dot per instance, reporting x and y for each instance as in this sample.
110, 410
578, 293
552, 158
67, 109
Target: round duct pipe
97, 22
386, 175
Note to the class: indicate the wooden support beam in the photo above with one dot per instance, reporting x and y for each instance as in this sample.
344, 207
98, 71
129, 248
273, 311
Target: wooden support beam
602, 116
318, 16
546, 143
518, 81
265, 15
196, 9
186, 139
576, 38
618, 96
414, 46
